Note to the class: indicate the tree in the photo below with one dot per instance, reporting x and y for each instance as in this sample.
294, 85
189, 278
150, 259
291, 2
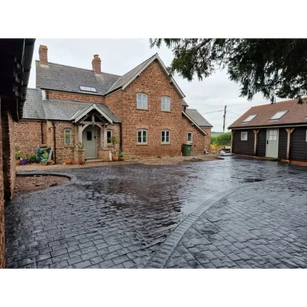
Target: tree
273, 67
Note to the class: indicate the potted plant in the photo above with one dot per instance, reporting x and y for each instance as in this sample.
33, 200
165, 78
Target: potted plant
45, 158
114, 140
32, 158
17, 155
80, 151
121, 156
24, 160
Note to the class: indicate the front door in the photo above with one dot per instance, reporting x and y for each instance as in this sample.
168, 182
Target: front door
272, 143
89, 142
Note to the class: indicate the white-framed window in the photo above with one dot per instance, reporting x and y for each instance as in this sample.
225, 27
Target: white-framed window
273, 135
67, 137
165, 103
141, 101
165, 137
109, 137
141, 136
190, 137
244, 136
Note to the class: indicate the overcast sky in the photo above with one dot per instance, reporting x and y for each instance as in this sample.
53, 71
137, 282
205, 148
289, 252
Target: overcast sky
118, 56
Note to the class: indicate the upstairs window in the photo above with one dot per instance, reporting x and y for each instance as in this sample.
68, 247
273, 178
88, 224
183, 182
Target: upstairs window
141, 101
165, 103
87, 89
67, 137
165, 137
190, 137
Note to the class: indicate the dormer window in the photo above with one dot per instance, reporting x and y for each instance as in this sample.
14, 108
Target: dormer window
278, 115
249, 118
87, 89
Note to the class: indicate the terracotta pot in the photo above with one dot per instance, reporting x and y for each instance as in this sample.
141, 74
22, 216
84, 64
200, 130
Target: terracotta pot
121, 158
115, 158
18, 162
44, 163
68, 161
81, 162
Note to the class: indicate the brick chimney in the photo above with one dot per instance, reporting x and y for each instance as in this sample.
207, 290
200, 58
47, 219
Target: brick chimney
43, 55
96, 64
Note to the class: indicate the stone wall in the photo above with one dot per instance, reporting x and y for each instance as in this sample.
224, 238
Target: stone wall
153, 82
28, 136
199, 140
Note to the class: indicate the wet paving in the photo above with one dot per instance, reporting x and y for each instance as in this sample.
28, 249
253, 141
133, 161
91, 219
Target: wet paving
139, 216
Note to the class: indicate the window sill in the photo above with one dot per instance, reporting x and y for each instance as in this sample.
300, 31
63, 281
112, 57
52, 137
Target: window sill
142, 109
141, 144
166, 111
165, 143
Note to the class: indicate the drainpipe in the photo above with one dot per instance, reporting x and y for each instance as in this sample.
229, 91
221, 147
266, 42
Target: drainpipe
42, 133
120, 137
54, 143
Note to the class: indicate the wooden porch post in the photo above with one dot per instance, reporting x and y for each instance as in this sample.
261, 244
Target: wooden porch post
255, 141
289, 131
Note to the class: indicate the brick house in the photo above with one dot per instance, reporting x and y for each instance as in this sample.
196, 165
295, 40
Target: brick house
15, 62
144, 109
277, 131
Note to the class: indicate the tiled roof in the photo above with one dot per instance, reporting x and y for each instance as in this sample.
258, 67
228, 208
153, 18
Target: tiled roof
198, 118
67, 78
55, 109
297, 114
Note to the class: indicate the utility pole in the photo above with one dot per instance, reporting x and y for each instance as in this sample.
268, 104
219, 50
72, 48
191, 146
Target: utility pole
224, 119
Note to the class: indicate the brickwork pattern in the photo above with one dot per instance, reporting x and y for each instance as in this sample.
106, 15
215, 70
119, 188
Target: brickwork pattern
74, 96
2, 228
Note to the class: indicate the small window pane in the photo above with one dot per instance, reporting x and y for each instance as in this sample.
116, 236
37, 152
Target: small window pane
67, 137
243, 136
189, 136
144, 136
88, 135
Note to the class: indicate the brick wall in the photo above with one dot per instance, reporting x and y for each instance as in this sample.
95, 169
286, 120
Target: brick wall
155, 84
207, 138
199, 141
9, 164
62, 152
28, 136
2, 229
74, 96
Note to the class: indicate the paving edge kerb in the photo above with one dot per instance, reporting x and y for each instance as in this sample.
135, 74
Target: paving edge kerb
71, 178
166, 249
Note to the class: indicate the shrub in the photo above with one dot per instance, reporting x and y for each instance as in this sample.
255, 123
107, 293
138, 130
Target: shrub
222, 140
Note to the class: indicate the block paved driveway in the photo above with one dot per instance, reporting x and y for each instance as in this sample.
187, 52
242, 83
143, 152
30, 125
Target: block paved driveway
232, 213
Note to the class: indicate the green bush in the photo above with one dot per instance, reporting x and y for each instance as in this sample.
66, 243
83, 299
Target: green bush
222, 139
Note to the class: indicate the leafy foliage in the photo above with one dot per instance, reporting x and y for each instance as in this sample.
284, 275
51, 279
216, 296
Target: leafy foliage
273, 67
222, 139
